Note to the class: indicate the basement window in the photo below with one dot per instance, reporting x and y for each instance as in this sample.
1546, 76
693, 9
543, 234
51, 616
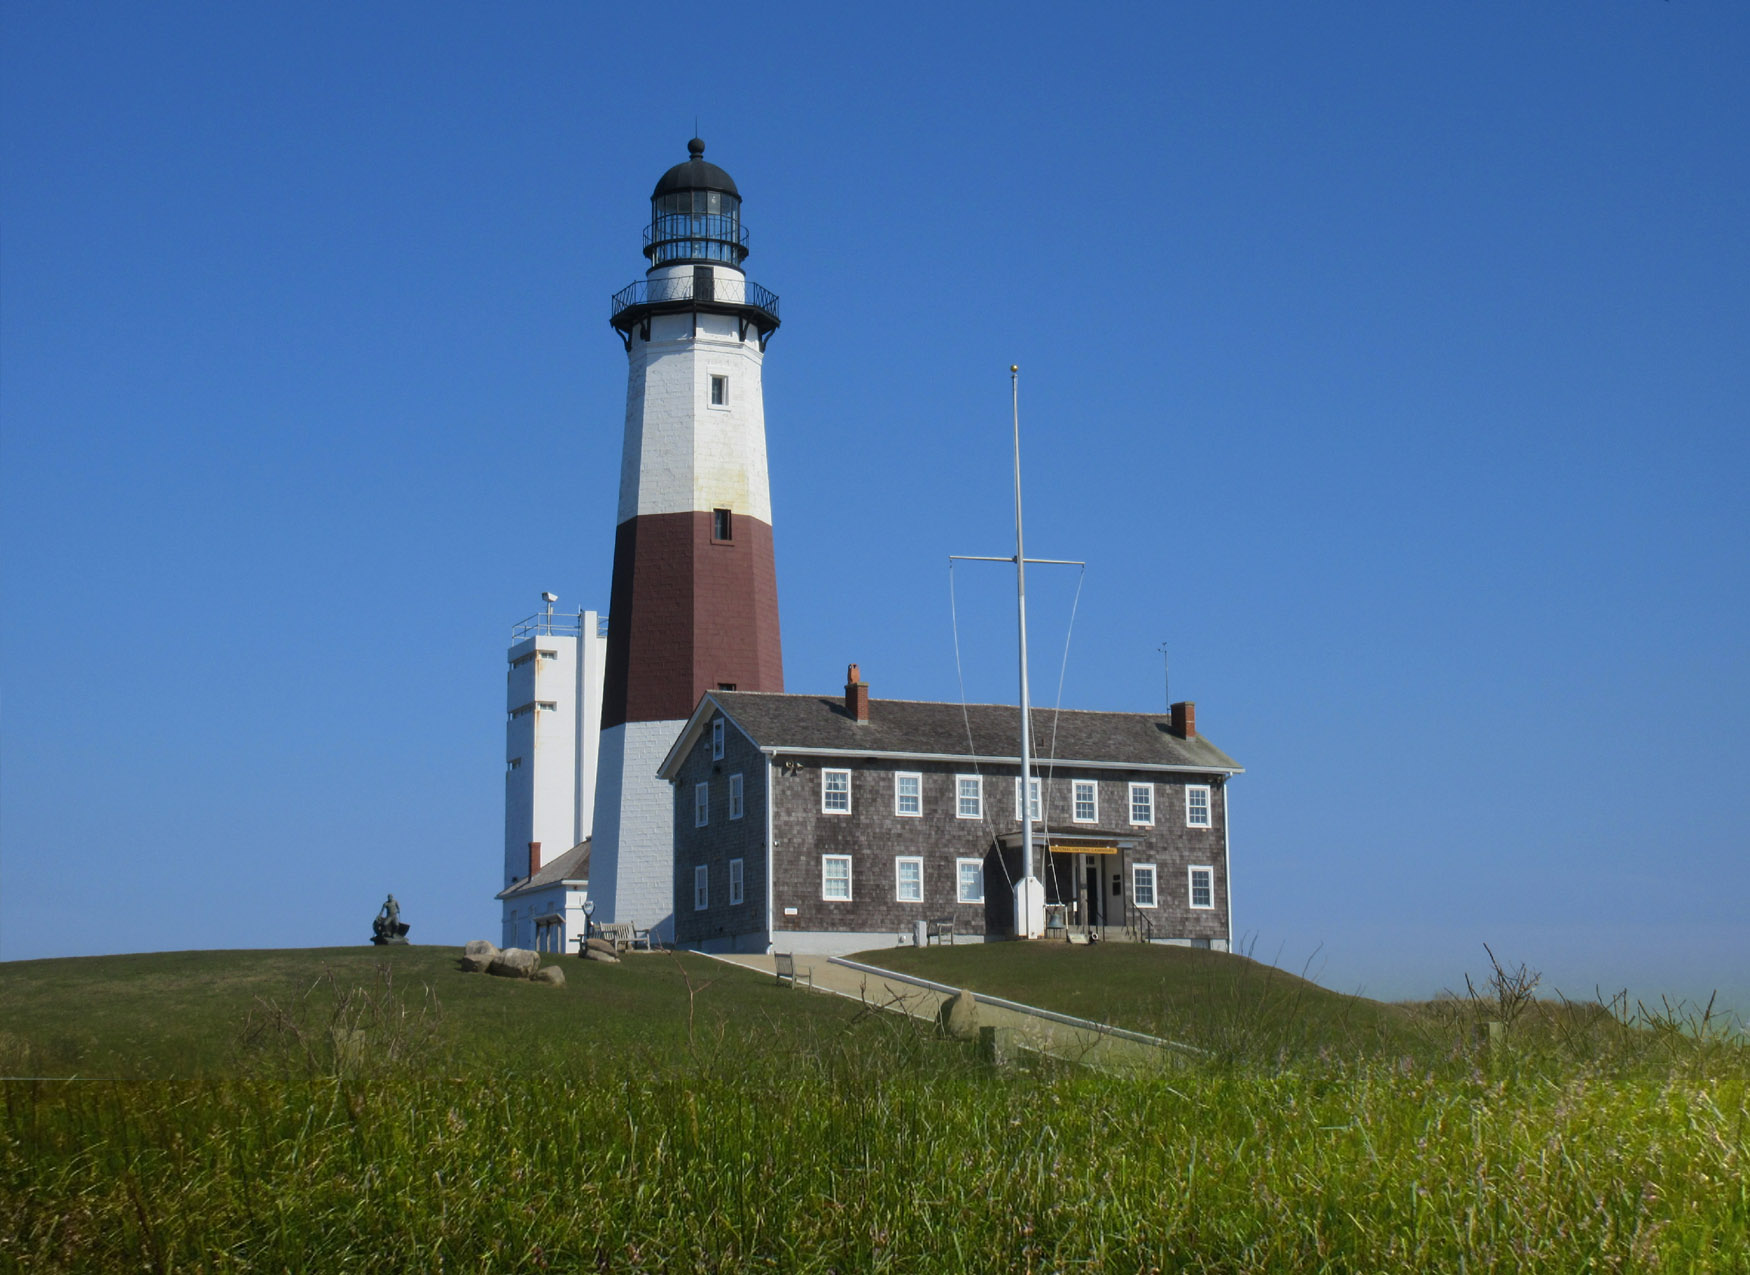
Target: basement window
722, 527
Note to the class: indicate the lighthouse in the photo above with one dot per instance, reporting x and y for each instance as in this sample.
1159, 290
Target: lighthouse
694, 600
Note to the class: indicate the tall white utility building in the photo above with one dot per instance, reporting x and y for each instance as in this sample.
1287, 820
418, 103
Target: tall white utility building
553, 702
695, 592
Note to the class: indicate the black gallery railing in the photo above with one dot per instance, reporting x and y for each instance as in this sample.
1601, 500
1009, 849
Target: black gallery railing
701, 288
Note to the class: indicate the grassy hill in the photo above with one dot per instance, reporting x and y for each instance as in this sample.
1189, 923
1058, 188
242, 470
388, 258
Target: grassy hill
1207, 998
351, 1109
209, 1007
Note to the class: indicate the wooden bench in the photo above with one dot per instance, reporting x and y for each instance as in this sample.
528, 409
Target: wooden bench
623, 935
940, 928
785, 963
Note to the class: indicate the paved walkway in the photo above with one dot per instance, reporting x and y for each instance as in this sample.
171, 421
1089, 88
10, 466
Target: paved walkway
1084, 1043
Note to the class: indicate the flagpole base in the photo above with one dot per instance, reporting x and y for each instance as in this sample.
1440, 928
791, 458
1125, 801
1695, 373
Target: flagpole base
1029, 908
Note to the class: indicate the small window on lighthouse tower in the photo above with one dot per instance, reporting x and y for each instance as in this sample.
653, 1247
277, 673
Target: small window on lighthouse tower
721, 525
719, 391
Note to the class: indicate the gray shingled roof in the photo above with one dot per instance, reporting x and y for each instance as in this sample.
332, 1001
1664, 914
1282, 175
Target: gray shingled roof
573, 865
898, 727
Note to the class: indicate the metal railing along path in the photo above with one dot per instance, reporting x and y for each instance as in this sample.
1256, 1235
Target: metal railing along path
1015, 1007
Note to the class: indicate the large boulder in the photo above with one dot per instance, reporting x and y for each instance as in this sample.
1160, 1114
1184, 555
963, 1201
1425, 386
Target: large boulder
549, 974
515, 962
604, 947
478, 955
594, 953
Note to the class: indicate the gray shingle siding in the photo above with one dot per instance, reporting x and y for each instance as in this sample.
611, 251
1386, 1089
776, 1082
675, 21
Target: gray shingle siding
794, 729
721, 840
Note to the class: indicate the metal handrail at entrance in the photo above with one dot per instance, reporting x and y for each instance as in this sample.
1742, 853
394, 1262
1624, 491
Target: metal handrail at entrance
681, 288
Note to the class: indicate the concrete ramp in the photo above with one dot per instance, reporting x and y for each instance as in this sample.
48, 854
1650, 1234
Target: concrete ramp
1044, 1031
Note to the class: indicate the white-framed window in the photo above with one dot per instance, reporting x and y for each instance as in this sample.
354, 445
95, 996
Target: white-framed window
735, 802
717, 739
737, 893
1197, 805
969, 796
719, 390
969, 880
701, 805
1085, 796
1202, 886
701, 888
908, 879
1032, 793
1142, 804
835, 792
908, 794
1142, 884
835, 878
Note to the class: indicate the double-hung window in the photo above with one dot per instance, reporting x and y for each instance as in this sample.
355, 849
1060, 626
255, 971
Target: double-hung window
835, 878
701, 805
908, 794
835, 792
701, 888
968, 797
1197, 806
1142, 804
908, 879
717, 739
1086, 798
737, 892
1033, 798
1202, 885
969, 880
1142, 884
735, 802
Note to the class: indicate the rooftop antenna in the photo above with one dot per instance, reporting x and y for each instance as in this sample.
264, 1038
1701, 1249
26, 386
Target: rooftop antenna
549, 599
1166, 681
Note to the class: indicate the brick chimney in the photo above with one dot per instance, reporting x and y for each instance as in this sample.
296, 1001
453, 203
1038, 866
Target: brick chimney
1185, 720
856, 695
534, 857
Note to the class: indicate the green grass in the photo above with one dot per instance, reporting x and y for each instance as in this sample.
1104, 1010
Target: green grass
1207, 998
354, 1110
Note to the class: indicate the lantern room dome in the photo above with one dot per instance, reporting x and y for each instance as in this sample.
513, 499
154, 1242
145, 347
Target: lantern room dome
695, 174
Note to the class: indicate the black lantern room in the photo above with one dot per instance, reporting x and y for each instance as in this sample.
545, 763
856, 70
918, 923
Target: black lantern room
695, 215
695, 220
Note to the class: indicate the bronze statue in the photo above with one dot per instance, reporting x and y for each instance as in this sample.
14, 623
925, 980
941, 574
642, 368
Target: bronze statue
389, 927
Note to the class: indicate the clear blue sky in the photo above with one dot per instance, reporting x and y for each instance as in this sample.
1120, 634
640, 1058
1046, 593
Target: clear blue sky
1390, 363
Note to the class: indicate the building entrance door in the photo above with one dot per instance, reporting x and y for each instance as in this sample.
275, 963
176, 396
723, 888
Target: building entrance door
1093, 898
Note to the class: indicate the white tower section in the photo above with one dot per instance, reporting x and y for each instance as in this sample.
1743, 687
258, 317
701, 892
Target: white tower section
553, 702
